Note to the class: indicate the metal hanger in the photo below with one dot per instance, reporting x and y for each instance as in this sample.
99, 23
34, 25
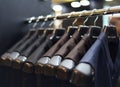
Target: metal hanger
113, 39
82, 28
63, 70
110, 30
41, 66
71, 29
94, 30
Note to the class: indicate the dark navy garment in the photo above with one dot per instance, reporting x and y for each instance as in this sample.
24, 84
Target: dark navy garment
29, 78
98, 57
116, 74
114, 64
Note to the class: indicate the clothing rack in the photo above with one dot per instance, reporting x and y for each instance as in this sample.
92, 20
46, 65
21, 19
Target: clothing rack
94, 12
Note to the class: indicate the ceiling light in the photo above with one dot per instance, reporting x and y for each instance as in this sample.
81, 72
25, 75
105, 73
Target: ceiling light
75, 4
84, 2
108, 0
57, 7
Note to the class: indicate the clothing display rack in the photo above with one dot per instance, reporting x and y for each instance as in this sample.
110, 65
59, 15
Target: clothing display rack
110, 10
79, 56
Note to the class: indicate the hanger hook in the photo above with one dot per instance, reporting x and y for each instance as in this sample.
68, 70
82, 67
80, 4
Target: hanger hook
95, 18
69, 16
44, 22
30, 20
74, 21
37, 20
54, 19
92, 12
78, 18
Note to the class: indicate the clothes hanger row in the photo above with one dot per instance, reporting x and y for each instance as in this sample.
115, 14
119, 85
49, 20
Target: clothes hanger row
56, 52
114, 9
34, 32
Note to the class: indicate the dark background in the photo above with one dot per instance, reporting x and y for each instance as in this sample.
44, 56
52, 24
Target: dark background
13, 13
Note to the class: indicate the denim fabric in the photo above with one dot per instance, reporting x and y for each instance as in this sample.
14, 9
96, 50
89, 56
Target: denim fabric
99, 58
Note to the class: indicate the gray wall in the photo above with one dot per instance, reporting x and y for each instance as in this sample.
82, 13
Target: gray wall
12, 16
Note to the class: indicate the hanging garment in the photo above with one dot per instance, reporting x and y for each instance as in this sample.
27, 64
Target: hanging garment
9, 60
113, 51
18, 50
6, 54
33, 45
69, 62
116, 76
18, 62
47, 56
29, 78
51, 81
50, 67
64, 69
96, 62
6, 70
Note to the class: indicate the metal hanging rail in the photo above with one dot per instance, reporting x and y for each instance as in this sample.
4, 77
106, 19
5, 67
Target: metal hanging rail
111, 10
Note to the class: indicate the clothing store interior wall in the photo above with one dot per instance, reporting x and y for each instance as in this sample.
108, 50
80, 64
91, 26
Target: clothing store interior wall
59, 43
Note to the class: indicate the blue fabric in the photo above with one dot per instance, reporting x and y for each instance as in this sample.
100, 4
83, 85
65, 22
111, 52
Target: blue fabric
117, 67
98, 56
